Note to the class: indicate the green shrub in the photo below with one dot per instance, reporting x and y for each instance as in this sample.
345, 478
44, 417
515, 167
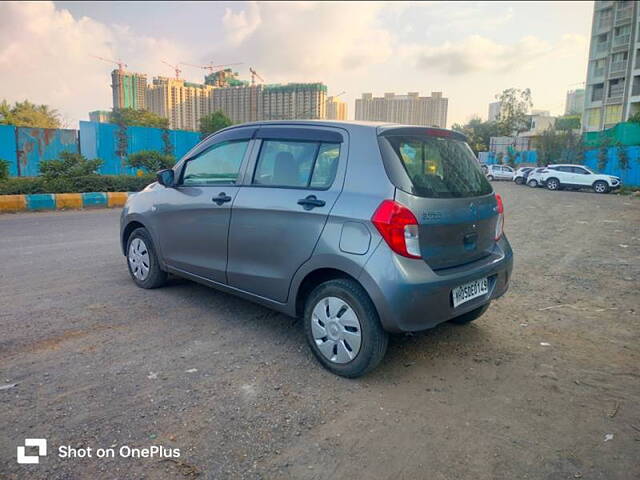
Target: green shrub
4, 170
69, 165
80, 184
150, 160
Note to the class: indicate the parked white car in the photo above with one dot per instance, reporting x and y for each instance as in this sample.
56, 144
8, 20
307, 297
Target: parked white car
500, 172
570, 176
521, 175
533, 179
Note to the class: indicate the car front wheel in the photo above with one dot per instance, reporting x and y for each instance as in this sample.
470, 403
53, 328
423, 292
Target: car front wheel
519, 181
490, 178
600, 187
532, 183
343, 328
142, 260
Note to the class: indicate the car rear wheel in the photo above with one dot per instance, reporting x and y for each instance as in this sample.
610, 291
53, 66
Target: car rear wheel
470, 316
142, 260
600, 187
532, 183
490, 178
553, 184
343, 328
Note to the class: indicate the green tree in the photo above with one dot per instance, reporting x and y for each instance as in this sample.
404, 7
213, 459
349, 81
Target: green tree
479, 133
213, 122
150, 160
514, 108
580, 151
605, 143
623, 156
130, 117
511, 157
635, 118
27, 114
69, 165
499, 158
568, 122
4, 169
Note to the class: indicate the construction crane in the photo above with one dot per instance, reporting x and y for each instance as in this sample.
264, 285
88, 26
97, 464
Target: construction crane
254, 74
211, 67
120, 63
175, 69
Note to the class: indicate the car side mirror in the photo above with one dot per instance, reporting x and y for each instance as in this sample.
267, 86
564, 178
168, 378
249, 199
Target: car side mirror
166, 177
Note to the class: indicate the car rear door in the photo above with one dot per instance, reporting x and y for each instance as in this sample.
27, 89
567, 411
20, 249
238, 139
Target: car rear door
293, 179
193, 219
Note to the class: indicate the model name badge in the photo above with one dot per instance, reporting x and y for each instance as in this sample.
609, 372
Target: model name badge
427, 216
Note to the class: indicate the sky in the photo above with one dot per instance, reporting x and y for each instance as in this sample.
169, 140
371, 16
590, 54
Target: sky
470, 51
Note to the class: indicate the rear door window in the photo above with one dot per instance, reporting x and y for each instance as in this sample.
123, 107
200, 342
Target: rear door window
297, 164
439, 167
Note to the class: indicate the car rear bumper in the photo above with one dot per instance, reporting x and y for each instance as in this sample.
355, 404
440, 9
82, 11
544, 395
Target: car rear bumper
409, 296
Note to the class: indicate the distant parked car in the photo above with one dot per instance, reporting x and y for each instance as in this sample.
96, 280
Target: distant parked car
499, 172
520, 175
569, 176
533, 177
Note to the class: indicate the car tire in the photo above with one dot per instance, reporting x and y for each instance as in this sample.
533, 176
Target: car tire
532, 183
142, 260
601, 187
340, 319
553, 183
470, 316
519, 181
490, 178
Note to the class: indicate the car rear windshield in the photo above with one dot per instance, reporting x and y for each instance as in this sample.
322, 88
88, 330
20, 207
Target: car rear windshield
438, 167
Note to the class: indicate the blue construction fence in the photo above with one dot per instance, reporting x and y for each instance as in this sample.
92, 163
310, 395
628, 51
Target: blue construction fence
25, 148
629, 176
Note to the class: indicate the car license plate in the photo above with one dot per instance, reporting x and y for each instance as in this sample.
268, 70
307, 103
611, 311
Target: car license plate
469, 291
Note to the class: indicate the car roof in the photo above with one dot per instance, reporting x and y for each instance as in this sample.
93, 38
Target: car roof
565, 165
346, 124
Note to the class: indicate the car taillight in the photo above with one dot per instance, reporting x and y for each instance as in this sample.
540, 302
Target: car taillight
500, 222
399, 228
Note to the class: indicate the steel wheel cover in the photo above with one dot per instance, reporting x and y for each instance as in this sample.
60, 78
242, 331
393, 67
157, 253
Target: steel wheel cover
139, 259
336, 330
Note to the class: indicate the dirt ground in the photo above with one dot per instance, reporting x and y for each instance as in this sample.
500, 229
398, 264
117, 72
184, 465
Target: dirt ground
546, 385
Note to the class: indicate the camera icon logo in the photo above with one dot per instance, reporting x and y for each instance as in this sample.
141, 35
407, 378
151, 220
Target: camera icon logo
41, 443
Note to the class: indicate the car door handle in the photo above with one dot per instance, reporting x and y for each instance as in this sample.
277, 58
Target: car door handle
222, 198
311, 202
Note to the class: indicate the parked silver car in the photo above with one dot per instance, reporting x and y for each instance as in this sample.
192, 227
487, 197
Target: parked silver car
500, 172
361, 229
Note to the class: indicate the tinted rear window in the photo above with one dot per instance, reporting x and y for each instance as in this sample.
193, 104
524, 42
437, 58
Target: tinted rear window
438, 167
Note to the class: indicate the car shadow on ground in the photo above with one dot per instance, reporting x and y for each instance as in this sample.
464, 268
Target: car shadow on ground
444, 342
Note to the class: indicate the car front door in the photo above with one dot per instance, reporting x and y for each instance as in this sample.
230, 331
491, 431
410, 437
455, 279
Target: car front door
193, 218
293, 179
581, 176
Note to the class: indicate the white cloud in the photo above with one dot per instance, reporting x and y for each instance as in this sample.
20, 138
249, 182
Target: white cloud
306, 40
46, 57
478, 54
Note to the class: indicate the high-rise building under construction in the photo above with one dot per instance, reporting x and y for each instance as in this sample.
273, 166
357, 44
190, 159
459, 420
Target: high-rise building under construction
129, 89
184, 103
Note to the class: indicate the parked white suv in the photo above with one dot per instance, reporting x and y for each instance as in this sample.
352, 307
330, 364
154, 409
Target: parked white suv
577, 176
500, 172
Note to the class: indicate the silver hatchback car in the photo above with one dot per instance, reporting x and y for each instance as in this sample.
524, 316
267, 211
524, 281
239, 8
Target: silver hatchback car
360, 229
